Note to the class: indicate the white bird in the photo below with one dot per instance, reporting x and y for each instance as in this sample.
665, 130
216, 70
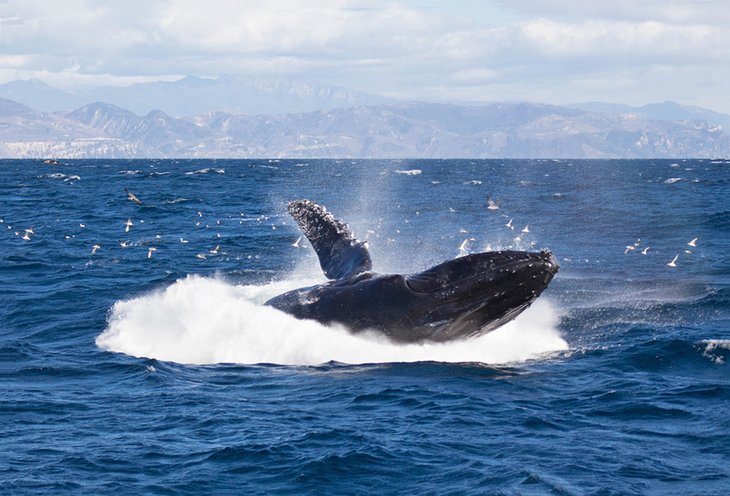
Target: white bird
492, 205
128, 224
673, 263
464, 247
82, 225
215, 250
296, 243
26, 236
526, 229
150, 251
645, 251
509, 224
200, 256
183, 241
124, 244
29, 231
629, 248
693, 243
94, 249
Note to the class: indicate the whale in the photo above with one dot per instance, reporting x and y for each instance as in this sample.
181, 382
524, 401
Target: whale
458, 299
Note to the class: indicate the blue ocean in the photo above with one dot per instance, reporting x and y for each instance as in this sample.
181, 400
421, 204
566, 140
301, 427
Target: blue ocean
136, 356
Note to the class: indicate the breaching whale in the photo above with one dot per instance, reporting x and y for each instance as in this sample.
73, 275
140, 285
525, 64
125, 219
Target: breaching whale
459, 298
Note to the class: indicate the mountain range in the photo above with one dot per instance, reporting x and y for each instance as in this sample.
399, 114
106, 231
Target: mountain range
286, 118
195, 95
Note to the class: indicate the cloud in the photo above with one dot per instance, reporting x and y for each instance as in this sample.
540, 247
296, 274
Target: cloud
547, 50
670, 11
650, 39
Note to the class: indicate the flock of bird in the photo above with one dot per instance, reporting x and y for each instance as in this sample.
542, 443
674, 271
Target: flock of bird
645, 251
494, 205
128, 225
463, 248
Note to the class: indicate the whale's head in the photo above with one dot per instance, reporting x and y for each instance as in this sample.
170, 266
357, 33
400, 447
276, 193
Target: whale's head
479, 292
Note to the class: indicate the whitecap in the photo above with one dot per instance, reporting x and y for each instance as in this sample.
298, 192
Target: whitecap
206, 171
716, 349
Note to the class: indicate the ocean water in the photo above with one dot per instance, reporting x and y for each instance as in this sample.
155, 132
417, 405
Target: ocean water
139, 360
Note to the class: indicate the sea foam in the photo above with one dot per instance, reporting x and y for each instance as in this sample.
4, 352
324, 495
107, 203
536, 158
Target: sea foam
205, 320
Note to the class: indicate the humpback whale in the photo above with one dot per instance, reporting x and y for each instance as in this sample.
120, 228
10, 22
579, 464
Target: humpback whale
457, 299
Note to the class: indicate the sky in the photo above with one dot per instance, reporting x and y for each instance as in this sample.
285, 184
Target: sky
560, 51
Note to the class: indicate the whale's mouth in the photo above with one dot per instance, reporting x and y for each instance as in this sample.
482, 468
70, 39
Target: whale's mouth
466, 274
478, 293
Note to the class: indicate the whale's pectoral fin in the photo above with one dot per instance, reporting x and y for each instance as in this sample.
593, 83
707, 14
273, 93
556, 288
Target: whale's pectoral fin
340, 254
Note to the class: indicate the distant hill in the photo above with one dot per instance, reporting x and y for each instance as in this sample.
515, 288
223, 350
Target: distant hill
413, 130
666, 111
193, 95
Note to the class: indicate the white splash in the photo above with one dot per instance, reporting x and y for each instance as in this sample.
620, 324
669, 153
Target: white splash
715, 349
200, 320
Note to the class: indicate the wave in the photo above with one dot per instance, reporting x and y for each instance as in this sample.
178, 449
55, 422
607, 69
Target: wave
202, 320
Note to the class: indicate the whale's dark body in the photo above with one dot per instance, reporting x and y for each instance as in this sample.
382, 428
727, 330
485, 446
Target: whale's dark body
464, 297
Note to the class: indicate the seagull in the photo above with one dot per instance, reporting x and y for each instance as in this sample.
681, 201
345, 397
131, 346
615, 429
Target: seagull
200, 256
464, 247
693, 243
296, 243
150, 251
184, 241
526, 229
82, 225
94, 249
124, 244
215, 250
128, 224
673, 263
31, 231
492, 205
132, 197
509, 224
629, 248
645, 251
26, 236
